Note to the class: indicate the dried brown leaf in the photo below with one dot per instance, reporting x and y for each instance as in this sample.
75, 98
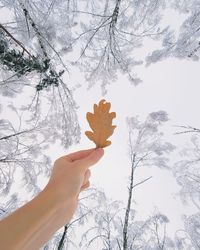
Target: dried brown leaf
101, 124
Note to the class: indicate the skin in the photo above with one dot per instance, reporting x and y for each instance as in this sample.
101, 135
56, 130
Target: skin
29, 227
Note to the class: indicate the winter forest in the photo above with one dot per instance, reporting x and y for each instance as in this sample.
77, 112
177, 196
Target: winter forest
58, 58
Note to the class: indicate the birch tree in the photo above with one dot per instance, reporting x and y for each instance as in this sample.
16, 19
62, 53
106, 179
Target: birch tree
106, 229
147, 148
116, 230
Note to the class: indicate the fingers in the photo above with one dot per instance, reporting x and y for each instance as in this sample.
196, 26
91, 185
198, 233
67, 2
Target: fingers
86, 176
91, 159
85, 186
79, 155
86, 182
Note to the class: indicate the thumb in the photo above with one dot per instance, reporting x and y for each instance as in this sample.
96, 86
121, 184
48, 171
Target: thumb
91, 159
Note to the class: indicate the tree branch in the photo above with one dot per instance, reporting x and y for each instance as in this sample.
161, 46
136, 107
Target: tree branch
14, 39
139, 183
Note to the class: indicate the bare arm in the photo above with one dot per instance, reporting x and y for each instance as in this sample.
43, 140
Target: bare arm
32, 225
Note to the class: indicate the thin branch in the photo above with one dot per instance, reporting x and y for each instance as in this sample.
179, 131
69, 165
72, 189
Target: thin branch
118, 244
89, 13
15, 134
62, 240
188, 129
93, 35
139, 183
37, 32
14, 39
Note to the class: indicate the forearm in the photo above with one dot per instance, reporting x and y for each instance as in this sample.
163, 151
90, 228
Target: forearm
34, 224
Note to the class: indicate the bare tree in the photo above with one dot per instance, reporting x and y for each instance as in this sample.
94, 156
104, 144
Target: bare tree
147, 148
150, 233
106, 229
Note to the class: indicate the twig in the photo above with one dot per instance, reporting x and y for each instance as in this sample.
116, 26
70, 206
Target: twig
14, 39
139, 183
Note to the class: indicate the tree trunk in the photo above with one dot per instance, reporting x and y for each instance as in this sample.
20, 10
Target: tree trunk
126, 219
62, 240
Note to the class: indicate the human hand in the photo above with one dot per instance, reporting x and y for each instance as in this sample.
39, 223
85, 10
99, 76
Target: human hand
33, 224
70, 175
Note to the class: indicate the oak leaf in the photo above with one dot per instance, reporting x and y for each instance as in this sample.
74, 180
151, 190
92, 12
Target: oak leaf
101, 124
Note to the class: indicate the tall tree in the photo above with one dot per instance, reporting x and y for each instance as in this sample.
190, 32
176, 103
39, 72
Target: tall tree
151, 233
115, 230
106, 230
147, 148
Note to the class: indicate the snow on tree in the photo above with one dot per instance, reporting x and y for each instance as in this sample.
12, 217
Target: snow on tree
185, 44
21, 150
187, 174
187, 170
115, 225
189, 237
113, 31
105, 226
106, 230
40, 73
146, 148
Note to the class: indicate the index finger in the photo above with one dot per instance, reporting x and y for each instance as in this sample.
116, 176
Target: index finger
78, 155
91, 159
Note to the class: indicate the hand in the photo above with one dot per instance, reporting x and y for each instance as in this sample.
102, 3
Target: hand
71, 175
33, 224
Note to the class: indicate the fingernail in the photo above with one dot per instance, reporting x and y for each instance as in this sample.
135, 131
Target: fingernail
99, 150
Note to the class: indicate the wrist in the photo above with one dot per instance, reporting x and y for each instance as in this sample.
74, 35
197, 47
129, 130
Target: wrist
59, 199
64, 204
